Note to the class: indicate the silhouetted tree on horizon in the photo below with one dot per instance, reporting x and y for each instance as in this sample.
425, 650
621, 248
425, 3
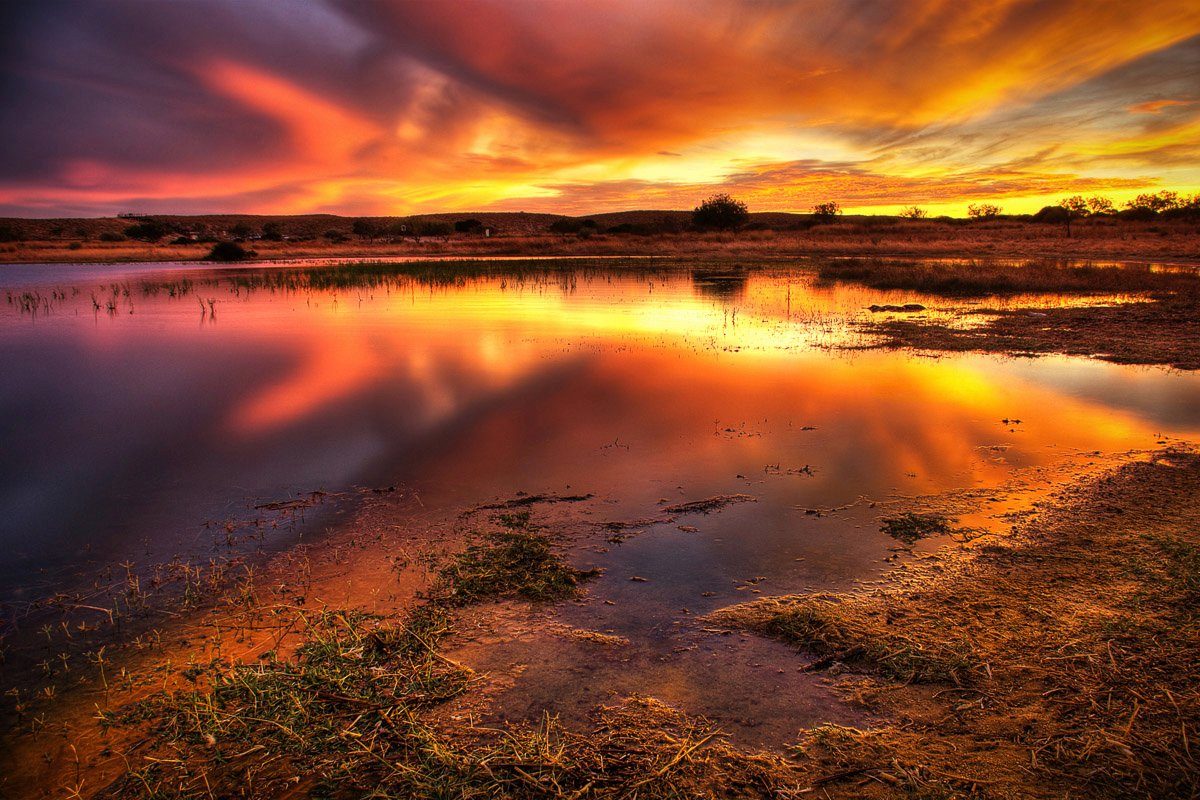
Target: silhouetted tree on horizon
721, 212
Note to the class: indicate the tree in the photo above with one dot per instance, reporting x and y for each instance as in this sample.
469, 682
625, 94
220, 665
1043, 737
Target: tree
271, 232
1162, 201
912, 212
983, 211
827, 210
365, 229
241, 230
1075, 207
434, 227
148, 231
721, 212
1098, 205
468, 226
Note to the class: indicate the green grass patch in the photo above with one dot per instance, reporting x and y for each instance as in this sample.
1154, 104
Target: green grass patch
516, 561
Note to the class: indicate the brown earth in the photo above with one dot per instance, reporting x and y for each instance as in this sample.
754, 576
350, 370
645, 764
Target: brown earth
773, 235
1060, 660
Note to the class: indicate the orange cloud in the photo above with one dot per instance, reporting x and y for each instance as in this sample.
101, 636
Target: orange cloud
405, 107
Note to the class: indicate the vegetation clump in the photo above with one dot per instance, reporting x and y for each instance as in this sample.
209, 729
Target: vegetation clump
517, 561
827, 211
355, 713
227, 251
720, 212
911, 526
988, 279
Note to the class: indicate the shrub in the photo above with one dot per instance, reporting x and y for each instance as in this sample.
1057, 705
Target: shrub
148, 231
912, 212
228, 251
271, 232
721, 212
365, 229
11, 233
468, 226
75, 246
566, 225
110, 236
334, 236
1056, 214
983, 211
827, 211
429, 227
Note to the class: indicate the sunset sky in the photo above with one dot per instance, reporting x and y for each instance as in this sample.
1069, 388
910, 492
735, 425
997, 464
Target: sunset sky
269, 106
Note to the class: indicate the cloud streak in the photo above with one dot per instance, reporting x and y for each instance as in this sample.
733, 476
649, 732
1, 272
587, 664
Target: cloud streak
395, 107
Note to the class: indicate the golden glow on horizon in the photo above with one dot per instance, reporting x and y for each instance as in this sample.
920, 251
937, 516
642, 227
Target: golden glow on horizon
557, 107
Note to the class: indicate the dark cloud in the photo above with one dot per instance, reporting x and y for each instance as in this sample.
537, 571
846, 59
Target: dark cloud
393, 106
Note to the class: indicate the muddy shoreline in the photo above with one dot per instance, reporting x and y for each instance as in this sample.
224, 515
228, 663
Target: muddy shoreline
869, 751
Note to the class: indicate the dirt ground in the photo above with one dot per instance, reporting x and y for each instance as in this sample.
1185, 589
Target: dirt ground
1098, 240
1058, 661
1167, 332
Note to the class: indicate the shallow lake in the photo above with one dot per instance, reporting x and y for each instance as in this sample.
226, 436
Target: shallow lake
155, 412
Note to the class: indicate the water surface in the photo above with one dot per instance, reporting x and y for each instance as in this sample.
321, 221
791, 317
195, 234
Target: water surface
146, 411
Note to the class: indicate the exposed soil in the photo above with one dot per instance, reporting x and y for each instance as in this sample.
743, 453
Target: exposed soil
1164, 331
1059, 661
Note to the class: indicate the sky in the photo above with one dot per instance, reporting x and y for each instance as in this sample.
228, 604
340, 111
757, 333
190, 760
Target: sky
575, 106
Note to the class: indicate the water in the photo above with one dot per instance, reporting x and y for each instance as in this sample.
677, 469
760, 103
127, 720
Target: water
145, 409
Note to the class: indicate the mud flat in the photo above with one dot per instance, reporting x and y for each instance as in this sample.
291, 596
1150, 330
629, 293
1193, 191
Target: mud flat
1137, 315
1059, 661
1057, 658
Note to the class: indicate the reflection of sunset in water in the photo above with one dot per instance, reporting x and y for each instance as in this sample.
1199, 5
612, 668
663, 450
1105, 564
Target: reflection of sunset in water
635, 386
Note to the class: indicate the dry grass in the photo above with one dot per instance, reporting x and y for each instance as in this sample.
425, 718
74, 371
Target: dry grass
515, 562
1161, 331
352, 714
1159, 328
989, 279
522, 235
1071, 649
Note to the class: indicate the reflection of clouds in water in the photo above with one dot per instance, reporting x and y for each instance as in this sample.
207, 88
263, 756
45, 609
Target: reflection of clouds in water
489, 387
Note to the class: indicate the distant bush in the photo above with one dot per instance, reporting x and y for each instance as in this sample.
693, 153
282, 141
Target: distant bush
11, 233
983, 211
566, 225
75, 246
228, 251
241, 230
182, 240
432, 227
912, 212
720, 212
365, 229
148, 231
110, 236
336, 237
827, 211
468, 226
271, 232
1056, 214
1166, 203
